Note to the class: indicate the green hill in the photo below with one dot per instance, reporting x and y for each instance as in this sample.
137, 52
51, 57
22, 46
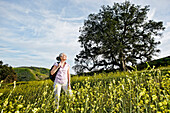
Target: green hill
31, 73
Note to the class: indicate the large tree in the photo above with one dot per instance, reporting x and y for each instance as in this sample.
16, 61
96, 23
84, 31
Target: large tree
117, 36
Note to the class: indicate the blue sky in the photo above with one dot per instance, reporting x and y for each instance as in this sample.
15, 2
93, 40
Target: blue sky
34, 32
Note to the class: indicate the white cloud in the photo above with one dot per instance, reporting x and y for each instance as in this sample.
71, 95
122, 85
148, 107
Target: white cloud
151, 14
37, 34
167, 25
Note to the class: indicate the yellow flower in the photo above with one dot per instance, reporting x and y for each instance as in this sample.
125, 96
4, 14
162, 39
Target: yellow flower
160, 104
2, 81
78, 109
19, 106
82, 109
63, 111
72, 109
43, 105
44, 93
35, 110
17, 111
161, 108
154, 97
165, 102
142, 93
147, 95
6, 102
1, 94
146, 101
152, 106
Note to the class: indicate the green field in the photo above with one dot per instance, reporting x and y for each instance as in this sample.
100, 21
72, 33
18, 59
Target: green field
125, 92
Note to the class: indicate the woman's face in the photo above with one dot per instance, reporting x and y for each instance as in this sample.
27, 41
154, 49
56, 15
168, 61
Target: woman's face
63, 57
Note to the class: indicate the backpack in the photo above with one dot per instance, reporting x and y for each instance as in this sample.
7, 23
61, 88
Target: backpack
52, 77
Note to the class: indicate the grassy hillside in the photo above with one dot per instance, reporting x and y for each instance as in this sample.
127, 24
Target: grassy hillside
31, 73
157, 63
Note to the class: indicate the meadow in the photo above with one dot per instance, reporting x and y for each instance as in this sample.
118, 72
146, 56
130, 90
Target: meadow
125, 92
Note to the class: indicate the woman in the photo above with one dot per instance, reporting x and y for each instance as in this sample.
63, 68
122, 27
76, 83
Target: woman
62, 78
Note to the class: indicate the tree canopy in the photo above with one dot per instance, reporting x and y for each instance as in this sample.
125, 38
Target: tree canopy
116, 37
7, 73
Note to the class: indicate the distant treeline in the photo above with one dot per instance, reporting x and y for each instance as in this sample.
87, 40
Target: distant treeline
157, 63
7, 74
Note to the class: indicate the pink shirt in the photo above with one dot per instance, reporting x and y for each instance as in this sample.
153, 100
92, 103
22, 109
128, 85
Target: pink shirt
61, 76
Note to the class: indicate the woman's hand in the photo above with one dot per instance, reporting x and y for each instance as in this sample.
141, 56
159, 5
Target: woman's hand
69, 86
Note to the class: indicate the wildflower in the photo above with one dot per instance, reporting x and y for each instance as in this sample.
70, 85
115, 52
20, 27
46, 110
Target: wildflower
63, 111
128, 80
43, 105
35, 110
82, 109
6, 102
1, 94
72, 109
44, 93
147, 95
87, 99
78, 109
154, 97
160, 103
165, 102
152, 106
146, 101
143, 92
17, 111
19, 106
162, 108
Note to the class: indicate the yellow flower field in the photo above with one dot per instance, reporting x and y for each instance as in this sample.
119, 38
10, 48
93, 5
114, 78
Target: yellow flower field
126, 92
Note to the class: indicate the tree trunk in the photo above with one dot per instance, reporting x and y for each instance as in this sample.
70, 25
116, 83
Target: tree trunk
122, 64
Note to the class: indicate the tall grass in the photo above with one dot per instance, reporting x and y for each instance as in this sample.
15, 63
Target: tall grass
126, 92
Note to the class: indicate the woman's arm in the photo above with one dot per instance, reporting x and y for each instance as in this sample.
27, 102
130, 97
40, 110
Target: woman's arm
55, 68
69, 79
